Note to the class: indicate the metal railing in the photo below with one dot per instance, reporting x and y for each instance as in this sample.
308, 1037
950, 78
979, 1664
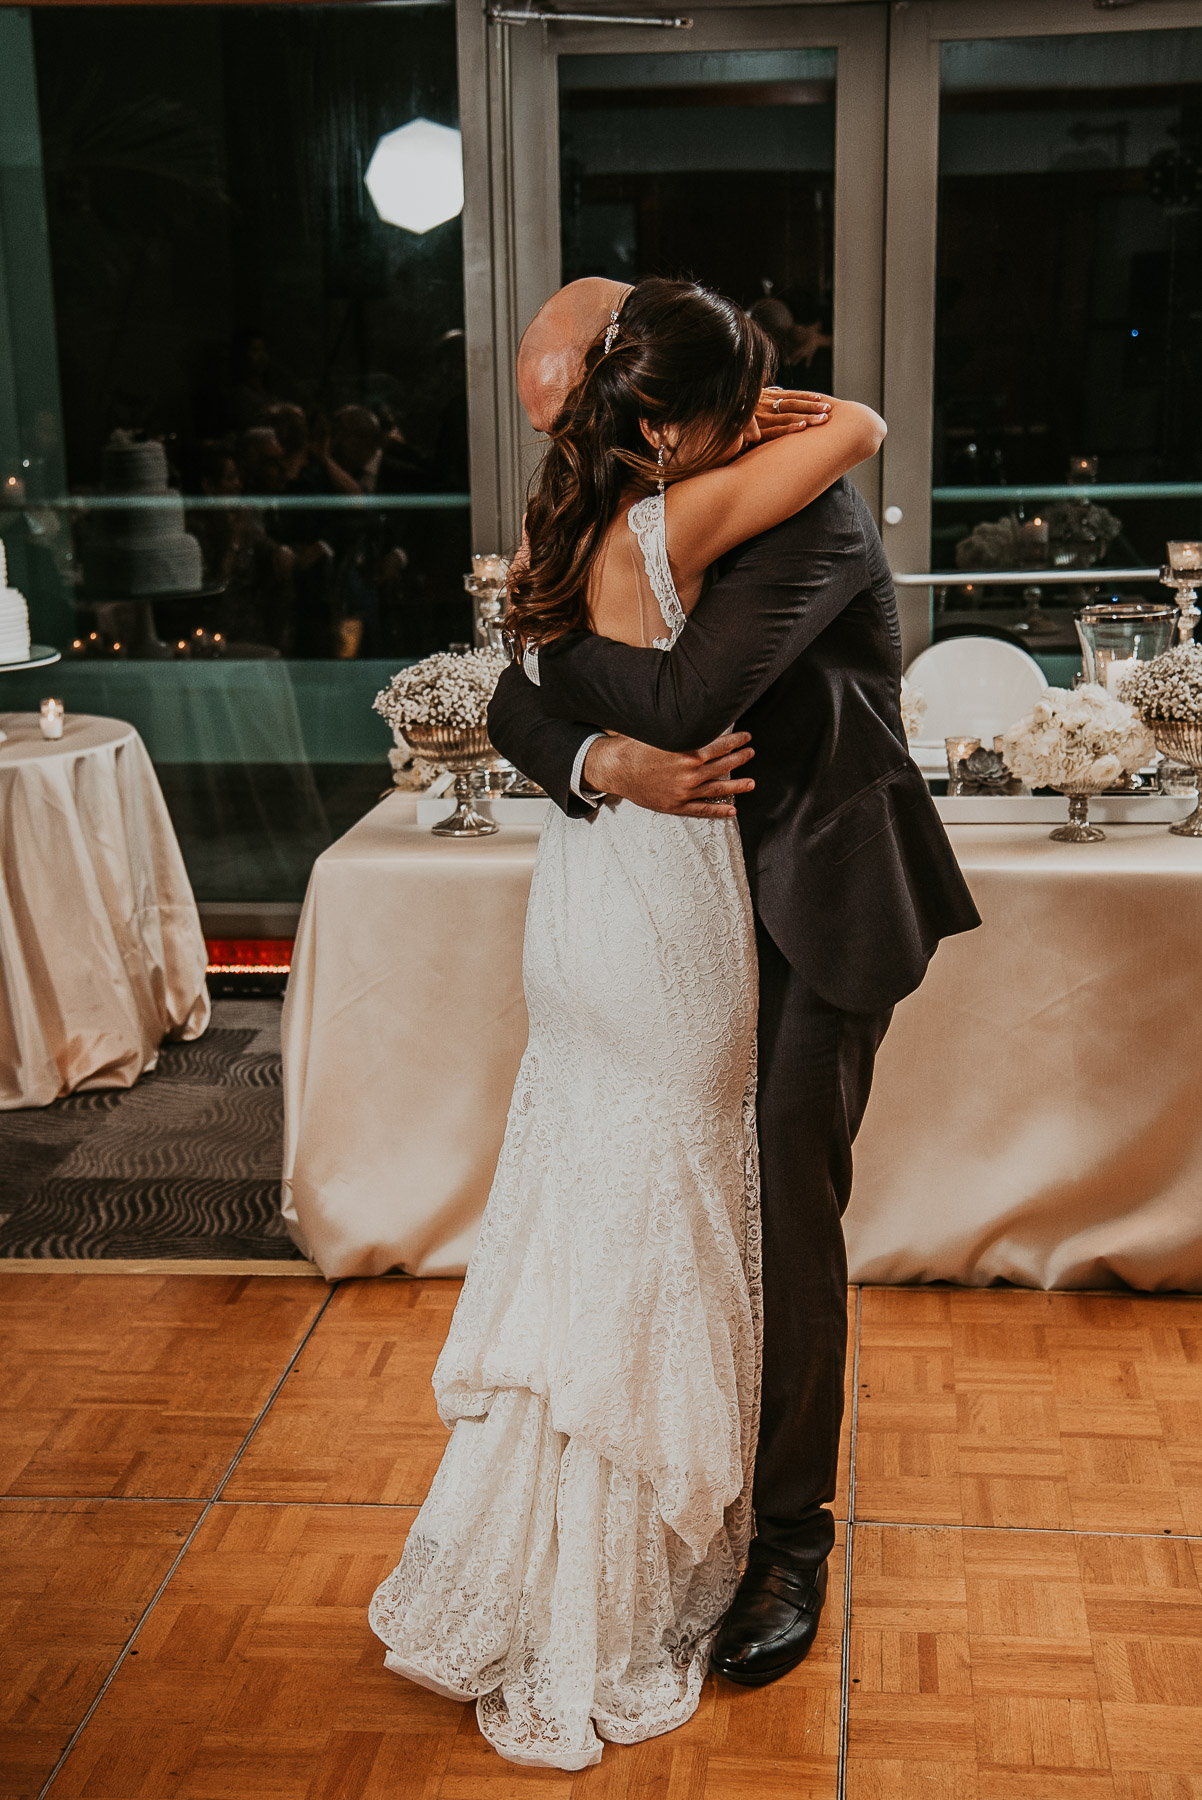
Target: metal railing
1094, 490
1023, 577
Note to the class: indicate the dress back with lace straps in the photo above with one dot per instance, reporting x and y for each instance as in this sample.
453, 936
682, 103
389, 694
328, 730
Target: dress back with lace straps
647, 520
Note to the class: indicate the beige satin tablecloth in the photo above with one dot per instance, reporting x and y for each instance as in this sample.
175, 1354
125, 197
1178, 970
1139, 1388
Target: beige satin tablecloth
403, 1028
101, 952
1035, 1114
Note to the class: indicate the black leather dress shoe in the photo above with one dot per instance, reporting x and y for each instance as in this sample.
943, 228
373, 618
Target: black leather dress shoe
772, 1622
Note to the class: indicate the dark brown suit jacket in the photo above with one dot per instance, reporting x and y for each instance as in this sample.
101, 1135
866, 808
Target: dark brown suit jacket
850, 868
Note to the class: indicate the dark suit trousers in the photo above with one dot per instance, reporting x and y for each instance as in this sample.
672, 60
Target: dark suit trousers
815, 1072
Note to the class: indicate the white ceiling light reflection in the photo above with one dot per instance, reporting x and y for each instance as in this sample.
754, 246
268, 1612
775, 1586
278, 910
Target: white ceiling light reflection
415, 176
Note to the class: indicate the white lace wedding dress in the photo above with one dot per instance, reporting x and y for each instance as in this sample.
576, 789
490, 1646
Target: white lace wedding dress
586, 1528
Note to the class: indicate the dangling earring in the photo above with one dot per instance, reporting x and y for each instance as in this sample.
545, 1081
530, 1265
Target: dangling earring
659, 464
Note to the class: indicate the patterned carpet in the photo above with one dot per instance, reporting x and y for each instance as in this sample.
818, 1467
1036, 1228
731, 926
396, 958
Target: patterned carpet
187, 1163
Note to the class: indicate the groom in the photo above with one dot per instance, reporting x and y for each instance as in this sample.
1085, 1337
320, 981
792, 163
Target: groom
853, 884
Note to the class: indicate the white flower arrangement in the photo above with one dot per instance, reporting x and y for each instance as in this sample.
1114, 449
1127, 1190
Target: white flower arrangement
409, 772
913, 710
1077, 738
446, 689
1167, 687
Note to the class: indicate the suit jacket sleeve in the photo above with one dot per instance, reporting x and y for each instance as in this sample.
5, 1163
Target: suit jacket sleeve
542, 747
774, 595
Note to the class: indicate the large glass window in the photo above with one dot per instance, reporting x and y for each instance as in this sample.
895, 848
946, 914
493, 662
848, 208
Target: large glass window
717, 165
1068, 369
231, 268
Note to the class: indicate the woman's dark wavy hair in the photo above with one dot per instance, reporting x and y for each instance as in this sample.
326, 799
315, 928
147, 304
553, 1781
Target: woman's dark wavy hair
682, 356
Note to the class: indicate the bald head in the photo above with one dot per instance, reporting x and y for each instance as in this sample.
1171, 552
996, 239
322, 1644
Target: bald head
554, 345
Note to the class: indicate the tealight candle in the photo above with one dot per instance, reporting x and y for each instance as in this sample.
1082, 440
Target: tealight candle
1185, 554
959, 749
490, 568
51, 720
1117, 670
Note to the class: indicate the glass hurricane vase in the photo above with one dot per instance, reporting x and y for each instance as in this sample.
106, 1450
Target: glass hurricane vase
464, 752
1181, 739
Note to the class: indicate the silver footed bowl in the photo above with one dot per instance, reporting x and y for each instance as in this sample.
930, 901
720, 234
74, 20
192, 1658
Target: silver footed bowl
1181, 739
465, 751
1078, 829
455, 747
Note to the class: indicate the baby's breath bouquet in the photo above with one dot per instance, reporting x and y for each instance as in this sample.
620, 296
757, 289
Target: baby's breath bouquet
438, 710
1167, 687
448, 690
1079, 738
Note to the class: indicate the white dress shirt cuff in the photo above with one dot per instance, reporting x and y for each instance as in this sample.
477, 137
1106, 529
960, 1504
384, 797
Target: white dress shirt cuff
577, 782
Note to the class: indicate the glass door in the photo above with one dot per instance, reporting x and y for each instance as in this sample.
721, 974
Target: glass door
1046, 230
747, 152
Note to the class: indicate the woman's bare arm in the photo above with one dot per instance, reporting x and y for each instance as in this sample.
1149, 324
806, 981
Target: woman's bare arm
709, 514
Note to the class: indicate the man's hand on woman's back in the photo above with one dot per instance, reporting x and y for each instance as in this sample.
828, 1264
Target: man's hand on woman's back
696, 784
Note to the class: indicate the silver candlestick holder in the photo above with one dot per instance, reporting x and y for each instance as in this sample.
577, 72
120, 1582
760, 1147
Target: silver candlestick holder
1183, 573
487, 586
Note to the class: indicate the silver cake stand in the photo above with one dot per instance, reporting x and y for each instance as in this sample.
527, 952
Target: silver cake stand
40, 657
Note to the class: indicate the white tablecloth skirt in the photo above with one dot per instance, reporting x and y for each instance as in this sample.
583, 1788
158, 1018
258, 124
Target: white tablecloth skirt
1034, 1118
101, 952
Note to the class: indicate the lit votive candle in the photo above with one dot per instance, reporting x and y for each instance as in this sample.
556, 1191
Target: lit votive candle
959, 749
491, 569
1185, 554
51, 721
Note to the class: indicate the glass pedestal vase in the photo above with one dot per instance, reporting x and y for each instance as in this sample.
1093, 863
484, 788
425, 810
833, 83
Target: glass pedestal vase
1078, 830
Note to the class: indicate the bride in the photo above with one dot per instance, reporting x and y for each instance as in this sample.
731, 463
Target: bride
586, 1529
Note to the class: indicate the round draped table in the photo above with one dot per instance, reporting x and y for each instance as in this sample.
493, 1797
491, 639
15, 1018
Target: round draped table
101, 951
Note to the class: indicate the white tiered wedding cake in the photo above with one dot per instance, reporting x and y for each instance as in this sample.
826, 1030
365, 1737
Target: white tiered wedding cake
142, 549
14, 619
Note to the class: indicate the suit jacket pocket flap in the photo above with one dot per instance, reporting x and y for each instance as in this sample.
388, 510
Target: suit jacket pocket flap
866, 814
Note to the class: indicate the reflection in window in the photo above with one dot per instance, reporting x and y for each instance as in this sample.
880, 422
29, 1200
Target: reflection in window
1069, 348
222, 281
717, 166
190, 257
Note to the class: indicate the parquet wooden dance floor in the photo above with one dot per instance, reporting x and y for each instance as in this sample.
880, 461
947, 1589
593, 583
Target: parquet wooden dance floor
204, 1477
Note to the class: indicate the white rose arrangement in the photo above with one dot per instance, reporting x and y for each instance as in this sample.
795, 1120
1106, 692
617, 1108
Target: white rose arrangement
1167, 687
1077, 738
446, 689
913, 710
409, 772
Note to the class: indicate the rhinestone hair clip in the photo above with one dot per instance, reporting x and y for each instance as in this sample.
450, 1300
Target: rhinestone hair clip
611, 332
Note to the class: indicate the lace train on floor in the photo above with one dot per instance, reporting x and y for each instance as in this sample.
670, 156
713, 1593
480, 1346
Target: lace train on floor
582, 1537
546, 1586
